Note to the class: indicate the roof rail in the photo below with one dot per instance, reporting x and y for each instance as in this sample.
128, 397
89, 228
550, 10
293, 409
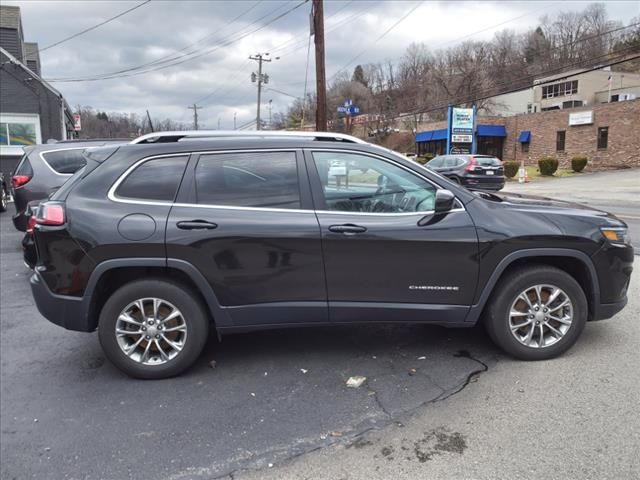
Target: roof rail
176, 136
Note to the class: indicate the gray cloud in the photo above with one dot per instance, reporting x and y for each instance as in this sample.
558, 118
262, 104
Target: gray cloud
163, 27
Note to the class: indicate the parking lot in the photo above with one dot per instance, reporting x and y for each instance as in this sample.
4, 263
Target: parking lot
436, 403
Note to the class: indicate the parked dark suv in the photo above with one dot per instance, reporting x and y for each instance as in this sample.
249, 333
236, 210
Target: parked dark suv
43, 169
155, 243
475, 171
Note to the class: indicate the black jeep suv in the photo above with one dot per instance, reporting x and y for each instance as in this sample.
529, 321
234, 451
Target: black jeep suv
157, 242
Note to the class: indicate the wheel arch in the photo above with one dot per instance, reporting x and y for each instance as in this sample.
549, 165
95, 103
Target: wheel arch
111, 274
574, 262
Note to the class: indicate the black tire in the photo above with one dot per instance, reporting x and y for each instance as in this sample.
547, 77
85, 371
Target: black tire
509, 287
194, 314
3, 199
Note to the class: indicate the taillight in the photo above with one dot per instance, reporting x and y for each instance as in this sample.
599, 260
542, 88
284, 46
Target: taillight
472, 164
50, 214
19, 180
30, 224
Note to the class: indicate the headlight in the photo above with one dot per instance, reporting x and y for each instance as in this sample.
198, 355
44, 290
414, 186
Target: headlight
617, 235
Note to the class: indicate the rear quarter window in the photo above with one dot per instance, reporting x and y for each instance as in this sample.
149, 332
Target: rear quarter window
65, 162
156, 179
24, 167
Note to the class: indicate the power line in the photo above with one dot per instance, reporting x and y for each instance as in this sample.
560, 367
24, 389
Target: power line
384, 34
191, 56
94, 27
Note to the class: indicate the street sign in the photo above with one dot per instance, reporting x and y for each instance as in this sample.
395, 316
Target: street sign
77, 124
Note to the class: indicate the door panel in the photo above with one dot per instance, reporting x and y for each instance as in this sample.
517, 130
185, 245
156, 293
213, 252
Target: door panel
258, 260
379, 264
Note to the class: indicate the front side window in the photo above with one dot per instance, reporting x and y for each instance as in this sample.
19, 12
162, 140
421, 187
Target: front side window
156, 179
65, 161
359, 183
248, 179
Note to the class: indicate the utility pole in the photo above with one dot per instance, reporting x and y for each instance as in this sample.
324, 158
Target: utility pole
150, 124
270, 113
218, 123
235, 114
321, 87
195, 115
260, 78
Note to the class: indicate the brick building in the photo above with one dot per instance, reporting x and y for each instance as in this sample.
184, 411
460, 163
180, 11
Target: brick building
607, 134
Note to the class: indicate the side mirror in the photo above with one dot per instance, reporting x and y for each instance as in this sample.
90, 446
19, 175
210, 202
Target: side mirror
444, 201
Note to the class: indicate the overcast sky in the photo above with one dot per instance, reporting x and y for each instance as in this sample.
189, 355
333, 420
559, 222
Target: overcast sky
218, 75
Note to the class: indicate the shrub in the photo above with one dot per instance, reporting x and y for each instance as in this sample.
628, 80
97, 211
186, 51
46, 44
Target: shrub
511, 169
547, 165
422, 159
578, 163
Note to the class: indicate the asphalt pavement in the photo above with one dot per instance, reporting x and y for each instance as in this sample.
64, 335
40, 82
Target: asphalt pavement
437, 403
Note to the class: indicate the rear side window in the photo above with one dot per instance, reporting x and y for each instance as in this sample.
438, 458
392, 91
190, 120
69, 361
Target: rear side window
65, 161
256, 179
488, 161
156, 179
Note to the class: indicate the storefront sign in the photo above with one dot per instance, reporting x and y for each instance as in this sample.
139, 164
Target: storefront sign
461, 138
462, 121
581, 118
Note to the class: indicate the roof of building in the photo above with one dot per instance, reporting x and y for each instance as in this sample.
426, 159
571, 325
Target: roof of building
13, 60
9, 16
31, 51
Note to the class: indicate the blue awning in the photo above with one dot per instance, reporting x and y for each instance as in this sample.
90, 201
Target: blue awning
431, 135
491, 131
524, 137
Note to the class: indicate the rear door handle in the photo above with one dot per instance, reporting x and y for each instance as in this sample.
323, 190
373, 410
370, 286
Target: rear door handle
347, 229
196, 225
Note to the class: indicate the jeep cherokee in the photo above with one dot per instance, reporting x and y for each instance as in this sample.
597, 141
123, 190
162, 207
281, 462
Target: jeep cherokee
157, 242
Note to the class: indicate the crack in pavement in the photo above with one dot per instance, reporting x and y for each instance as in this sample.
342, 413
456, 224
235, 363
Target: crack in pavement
390, 419
463, 354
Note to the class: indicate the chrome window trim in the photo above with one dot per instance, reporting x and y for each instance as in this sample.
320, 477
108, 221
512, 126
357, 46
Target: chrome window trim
41, 155
114, 198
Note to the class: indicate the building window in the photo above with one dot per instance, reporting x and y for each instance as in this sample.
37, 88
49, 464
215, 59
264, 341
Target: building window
603, 137
560, 141
560, 89
525, 147
572, 104
529, 108
17, 134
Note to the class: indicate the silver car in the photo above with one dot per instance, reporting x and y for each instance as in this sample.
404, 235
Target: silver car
43, 169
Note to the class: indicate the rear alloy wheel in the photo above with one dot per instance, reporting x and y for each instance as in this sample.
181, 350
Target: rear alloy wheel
537, 313
153, 328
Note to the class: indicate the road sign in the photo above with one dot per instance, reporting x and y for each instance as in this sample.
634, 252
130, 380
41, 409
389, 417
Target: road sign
77, 124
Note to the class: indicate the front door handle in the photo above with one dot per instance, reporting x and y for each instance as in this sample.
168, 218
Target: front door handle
196, 225
347, 229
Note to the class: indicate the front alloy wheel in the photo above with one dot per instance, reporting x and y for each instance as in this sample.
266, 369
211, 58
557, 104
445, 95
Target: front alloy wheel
536, 312
540, 316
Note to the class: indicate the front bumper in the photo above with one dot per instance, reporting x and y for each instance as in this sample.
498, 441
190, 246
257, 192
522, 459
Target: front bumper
608, 310
65, 311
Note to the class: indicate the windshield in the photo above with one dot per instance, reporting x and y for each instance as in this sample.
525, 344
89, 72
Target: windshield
488, 161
